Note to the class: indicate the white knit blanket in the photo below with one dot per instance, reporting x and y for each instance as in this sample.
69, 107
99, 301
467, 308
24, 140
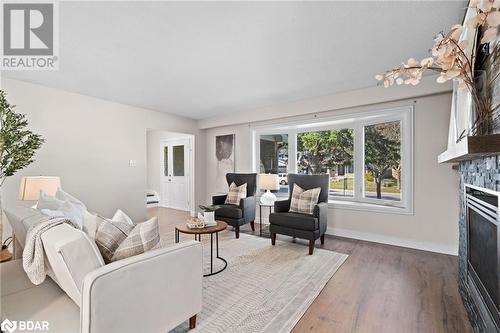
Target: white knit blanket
34, 254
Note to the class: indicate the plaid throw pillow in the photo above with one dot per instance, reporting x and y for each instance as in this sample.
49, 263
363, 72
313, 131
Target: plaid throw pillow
304, 201
236, 193
144, 237
109, 236
118, 240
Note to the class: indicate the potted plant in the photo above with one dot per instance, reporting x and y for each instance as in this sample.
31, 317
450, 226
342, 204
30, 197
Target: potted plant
209, 213
17, 144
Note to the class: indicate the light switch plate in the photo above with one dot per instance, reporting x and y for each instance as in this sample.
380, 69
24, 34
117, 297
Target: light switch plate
132, 163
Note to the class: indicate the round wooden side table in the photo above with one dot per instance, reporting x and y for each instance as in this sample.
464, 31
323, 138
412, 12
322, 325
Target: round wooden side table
197, 232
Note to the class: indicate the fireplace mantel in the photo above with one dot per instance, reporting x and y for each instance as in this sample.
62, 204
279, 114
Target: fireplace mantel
470, 148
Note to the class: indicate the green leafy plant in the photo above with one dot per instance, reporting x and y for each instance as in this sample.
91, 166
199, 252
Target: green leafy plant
209, 208
17, 144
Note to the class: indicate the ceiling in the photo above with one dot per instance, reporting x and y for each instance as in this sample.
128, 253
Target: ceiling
203, 59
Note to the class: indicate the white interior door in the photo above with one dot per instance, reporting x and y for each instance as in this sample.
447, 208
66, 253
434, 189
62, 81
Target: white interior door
175, 177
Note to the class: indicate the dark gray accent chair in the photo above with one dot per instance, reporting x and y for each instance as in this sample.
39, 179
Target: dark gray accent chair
243, 213
305, 226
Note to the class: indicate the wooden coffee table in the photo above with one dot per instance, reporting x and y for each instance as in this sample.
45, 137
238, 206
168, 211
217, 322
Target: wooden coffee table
197, 232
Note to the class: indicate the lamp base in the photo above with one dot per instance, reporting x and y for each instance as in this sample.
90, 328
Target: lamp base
268, 198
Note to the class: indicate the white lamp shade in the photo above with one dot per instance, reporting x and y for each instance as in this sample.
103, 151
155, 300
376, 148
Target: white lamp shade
268, 181
31, 186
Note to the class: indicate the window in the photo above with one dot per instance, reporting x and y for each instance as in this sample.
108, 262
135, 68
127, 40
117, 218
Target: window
328, 152
178, 160
382, 156
367, 155
273, 158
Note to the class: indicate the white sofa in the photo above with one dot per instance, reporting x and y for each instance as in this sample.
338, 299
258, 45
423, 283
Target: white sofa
152, 292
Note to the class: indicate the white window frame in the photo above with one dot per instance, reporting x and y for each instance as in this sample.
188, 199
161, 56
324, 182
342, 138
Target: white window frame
356, 121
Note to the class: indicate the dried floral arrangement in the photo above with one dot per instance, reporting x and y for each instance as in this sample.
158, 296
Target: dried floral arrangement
450, 60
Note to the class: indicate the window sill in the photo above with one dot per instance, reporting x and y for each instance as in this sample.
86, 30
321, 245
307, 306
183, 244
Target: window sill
364, 206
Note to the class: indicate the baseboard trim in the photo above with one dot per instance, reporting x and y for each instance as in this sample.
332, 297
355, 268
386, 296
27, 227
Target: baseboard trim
376, 238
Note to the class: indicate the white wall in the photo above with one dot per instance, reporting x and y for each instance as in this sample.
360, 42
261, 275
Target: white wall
433, 226
89, 143
155, 155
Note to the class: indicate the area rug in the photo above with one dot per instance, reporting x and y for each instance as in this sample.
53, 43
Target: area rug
264, 288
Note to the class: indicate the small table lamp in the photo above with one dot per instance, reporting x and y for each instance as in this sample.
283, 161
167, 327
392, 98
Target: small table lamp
31, 186
268, 182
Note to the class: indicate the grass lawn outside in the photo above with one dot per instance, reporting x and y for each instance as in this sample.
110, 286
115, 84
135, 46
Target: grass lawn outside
369, 186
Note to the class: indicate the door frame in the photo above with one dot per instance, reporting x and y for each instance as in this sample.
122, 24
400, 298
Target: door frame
190, 169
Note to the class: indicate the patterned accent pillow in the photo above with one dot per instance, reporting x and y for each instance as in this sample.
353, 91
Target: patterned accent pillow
109, 236
236, 193
144, 237
304, 201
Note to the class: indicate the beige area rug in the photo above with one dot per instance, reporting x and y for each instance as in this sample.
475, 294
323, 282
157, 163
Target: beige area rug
264, 288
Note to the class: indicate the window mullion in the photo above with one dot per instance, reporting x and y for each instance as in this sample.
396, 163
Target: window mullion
292, 152
358, 161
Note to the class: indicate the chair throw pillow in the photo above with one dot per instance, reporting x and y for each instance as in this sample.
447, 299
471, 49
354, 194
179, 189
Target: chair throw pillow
236, 193
144, 237
304, 201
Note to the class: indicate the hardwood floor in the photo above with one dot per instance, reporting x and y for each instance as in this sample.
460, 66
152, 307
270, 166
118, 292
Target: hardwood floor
380, 288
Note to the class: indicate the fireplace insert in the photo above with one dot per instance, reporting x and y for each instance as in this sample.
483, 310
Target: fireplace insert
483, 246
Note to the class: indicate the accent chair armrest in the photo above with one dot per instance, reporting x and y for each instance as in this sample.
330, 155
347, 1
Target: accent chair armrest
321, 212
247, 205
151, 292
282, 206
219, 199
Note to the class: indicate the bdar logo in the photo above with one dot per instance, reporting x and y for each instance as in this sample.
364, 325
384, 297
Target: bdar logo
8, 326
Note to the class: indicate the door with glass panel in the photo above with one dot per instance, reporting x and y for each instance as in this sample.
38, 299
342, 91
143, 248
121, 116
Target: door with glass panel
175, 174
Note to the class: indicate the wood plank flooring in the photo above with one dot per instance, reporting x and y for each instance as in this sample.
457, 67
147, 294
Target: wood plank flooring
380, 288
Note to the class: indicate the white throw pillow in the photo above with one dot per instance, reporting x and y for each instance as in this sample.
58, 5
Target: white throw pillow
65, 196
52, 213
120, 216
46, 201
72, 212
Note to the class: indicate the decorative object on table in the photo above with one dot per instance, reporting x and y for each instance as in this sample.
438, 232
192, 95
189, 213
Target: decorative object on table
208, 214
461, 55
17, 144
197, 232
269, 182
306, 226
224, 153
244, 211
195, 223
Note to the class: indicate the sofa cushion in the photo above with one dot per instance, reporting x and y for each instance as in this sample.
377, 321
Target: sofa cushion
230, 211
294, 221
144, 237
71, 255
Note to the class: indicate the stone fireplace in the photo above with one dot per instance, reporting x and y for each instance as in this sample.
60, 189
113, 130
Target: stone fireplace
479, 249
